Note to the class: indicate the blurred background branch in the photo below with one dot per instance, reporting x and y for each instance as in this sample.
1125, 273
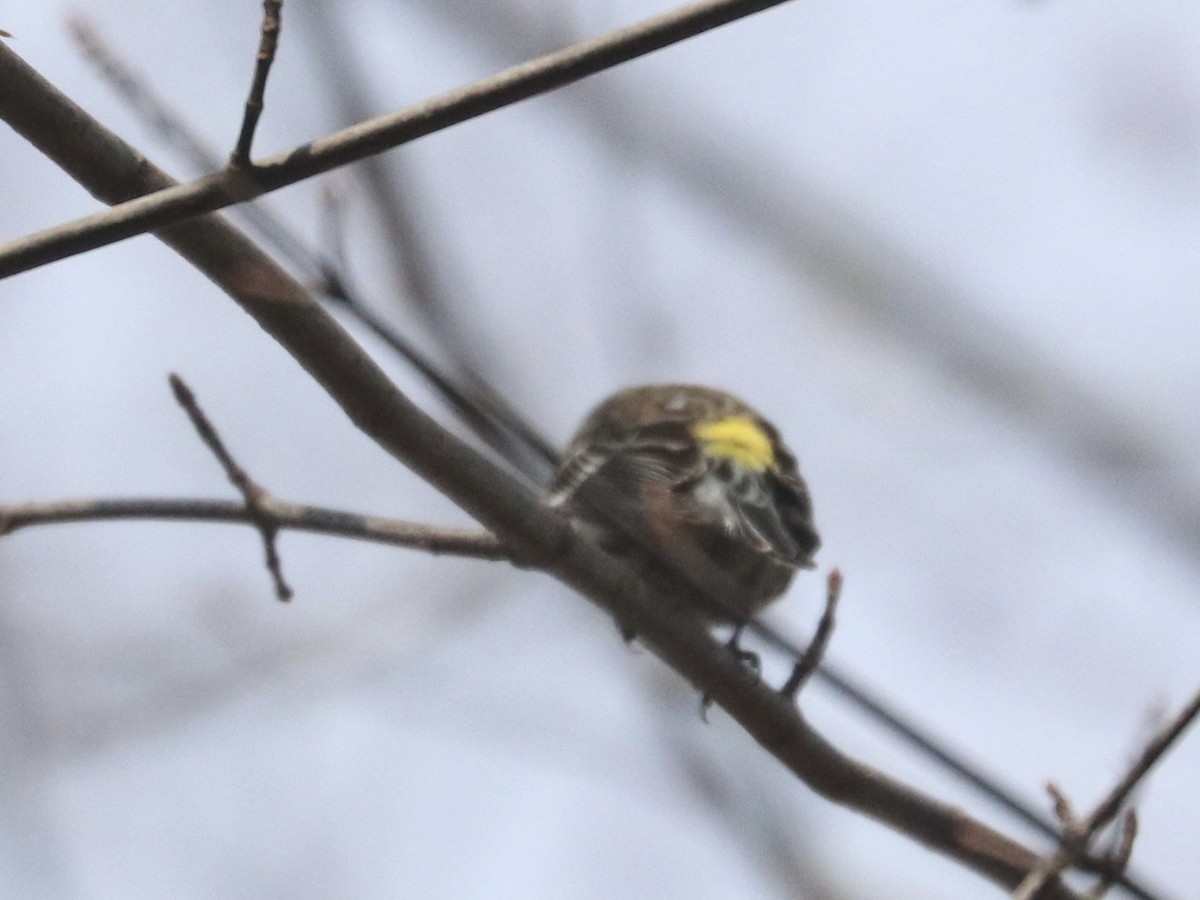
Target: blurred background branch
973, 583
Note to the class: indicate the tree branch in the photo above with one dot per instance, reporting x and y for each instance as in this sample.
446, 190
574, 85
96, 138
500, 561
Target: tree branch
1078, 835
327, 278
390, 190
487, 415
811, 659
1154, 751
285, 516
252, 493
175, 203
502, 504
271, 24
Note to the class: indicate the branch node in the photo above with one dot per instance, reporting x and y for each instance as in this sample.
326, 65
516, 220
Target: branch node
272, 23
1079, 835
257, 499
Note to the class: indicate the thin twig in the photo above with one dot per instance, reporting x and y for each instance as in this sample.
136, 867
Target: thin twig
860, 265
812, 657
179, 135
184, 239
254, 495
470, 543
938, 749
492, 419
418, 276
1078, 835
386, 183
1119, 858
501, 503
175, 204
328, 277
271, 24
1075, 843
497, 424
1149, 757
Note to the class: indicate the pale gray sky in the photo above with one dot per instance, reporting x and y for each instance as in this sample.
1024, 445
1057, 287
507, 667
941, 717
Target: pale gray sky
950, 248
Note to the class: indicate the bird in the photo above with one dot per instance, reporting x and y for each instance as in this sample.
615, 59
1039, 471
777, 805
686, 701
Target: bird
694, 488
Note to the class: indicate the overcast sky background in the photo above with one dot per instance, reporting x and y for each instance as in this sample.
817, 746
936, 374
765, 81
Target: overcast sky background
951, 249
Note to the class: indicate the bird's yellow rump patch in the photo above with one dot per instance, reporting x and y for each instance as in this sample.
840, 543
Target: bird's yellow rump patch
738, 438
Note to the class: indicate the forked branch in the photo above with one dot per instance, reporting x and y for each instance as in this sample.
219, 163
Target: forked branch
501, 503
174, 203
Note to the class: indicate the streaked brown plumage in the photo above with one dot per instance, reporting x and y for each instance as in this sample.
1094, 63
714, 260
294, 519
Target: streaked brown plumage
694, 480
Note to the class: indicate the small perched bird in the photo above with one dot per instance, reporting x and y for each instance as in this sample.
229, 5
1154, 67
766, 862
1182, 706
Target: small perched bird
692, 480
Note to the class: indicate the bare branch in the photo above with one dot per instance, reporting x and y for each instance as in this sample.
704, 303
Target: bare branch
1119, 860
939, 750
502, 504
322, 267
390, 191
493, 424
173, 204
252, 493
178, 134
271, 24
208, 433
488, 416
472, 543
1075, 843
807, 664
1108, 808
1078, 835
860, 265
